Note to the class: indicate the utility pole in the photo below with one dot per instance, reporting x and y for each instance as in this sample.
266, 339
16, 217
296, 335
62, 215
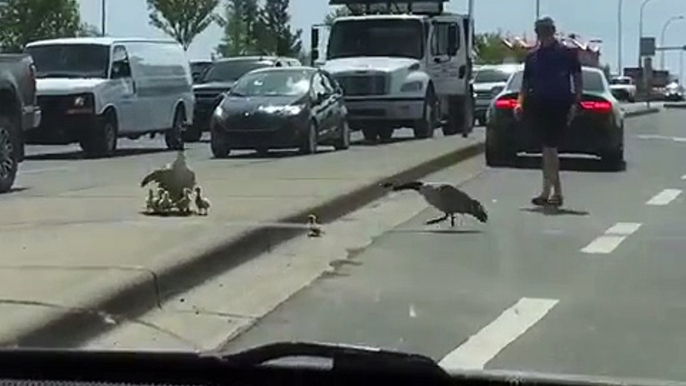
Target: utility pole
103, 17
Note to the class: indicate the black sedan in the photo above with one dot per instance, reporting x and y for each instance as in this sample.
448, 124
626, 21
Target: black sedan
597, 129
278, 108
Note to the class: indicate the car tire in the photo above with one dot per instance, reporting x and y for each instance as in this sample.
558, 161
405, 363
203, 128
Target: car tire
370, 134
614, 159
174, 136
311, 142
425, 127
101, 141
385, 134
343, 140
193, 133
496, 154
9, 153
219, 145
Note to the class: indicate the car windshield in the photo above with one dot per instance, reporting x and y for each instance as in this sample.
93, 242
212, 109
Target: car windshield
394, 38
594, 81
230, 71
70, 60
273, 83
492, 76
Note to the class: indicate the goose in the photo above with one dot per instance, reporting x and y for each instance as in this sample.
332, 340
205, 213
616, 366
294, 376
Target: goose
445, 197
173, 178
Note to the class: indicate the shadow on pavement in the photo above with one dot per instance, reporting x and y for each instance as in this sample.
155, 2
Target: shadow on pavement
364, 142
568, 163
550, 211
78, 155
438, 231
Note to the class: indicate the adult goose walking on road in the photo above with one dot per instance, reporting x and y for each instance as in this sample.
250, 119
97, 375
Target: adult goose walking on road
446, 198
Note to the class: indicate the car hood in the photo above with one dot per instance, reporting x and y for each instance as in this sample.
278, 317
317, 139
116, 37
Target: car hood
488, 86
64, 86
237, 105
381, 63
213, 86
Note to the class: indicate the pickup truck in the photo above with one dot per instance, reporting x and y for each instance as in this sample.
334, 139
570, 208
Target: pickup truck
19, 112
623, 88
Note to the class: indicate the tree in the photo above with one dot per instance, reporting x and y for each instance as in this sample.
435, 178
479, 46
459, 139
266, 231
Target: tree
279, 38
490, 49
88, 30
183, 20
24, 21
244, 31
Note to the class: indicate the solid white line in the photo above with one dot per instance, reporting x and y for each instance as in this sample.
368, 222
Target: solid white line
487, 343
664, 197
612, 237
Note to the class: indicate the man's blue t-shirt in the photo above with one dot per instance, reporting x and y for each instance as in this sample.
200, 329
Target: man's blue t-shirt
548, 71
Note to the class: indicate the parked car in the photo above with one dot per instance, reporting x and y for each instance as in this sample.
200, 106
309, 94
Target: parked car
95, 90
623, 88
219, 79
674, 92
286, 107
489, 81
19, 112
597, 129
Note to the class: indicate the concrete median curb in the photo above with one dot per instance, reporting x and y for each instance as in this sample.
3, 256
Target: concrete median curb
675, 105
640, 112
132, 298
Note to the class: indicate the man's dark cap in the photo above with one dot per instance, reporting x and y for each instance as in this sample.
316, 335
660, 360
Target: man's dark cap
545, 23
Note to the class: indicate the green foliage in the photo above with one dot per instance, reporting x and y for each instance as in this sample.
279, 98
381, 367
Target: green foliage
24, 21
490, 49
183, 20
88, 30
251, 29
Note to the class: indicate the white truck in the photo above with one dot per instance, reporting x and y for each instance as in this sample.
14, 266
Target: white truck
623, 88
407, 66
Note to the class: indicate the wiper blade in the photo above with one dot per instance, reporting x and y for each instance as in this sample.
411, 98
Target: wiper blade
345, 357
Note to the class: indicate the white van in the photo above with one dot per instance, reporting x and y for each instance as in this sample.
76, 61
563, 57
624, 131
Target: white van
95, 90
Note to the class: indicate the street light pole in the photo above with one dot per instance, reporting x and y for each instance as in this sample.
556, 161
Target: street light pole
662, 37
619, 37
103, 17
640, 30
538, 9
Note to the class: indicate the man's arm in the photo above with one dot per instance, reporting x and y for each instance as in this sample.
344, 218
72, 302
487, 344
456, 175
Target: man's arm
575, 69
526, 81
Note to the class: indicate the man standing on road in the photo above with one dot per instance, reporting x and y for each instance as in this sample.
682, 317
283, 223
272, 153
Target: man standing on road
548, 103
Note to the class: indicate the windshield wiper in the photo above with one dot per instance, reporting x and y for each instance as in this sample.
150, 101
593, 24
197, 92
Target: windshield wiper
344, 357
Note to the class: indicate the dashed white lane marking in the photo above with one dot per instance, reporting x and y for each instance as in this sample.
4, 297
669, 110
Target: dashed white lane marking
479, 349
664, 197
612, 237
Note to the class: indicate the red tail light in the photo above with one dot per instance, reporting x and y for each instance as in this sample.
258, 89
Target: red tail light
597, 106
506, 103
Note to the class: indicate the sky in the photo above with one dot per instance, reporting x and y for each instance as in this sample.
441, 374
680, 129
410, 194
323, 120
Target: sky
592, 19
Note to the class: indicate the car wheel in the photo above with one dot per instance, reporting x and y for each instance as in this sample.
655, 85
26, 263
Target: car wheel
343, 140
425, 127
370, 134
614, 159
309, 145
219, 145
385, 133
192, 133
101, 141
496, 154
174, 136
9, 153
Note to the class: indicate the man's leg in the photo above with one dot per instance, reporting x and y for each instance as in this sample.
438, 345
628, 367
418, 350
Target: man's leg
552, 164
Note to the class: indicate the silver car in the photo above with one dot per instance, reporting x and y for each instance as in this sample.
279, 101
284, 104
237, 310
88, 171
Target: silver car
488, 82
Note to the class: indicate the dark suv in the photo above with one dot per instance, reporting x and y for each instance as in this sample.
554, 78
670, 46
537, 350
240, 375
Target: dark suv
218, 79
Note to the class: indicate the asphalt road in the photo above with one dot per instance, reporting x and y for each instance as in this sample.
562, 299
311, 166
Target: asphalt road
595, 289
